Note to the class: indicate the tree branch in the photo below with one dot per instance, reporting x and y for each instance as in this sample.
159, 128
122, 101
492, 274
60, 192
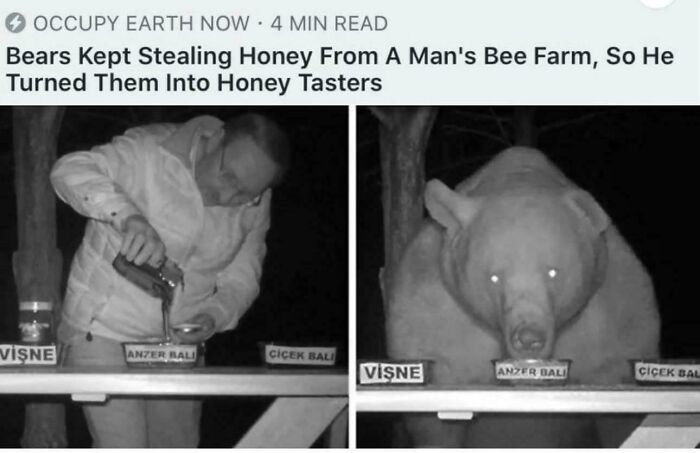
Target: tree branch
491, 116
568, 122
468, 130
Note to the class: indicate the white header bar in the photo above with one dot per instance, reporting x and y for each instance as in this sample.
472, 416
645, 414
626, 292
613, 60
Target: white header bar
365, 52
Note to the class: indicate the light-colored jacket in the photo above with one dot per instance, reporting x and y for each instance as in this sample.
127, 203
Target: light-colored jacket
149, 170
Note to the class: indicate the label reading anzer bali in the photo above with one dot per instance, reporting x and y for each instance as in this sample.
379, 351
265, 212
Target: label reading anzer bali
30, 355
171, 353
667, 372
511, 371
299, 355
391, 373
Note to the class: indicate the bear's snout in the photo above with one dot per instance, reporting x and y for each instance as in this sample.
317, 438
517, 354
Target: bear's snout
528, 329
528, 339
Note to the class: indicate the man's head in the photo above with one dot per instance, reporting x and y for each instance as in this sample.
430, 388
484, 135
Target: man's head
252, 156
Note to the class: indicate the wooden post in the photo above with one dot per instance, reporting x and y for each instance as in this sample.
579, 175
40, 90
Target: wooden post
293, 422
403, 135
37, 262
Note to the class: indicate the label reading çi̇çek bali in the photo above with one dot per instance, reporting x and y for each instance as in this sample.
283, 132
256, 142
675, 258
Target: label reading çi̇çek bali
299, 355
667, 372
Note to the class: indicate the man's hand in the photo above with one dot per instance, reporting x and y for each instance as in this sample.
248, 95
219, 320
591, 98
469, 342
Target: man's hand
141, 242
207, 330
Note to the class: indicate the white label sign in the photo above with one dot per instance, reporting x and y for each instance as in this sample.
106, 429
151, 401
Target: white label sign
299, 355
17, 354
384, 373
665, 372
514, 371
171, 353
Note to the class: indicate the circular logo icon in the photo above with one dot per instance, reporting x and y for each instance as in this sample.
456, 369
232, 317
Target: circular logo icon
15, 22
656, 4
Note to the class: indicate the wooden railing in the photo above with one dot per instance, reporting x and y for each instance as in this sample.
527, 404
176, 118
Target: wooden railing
673, 420
308, 402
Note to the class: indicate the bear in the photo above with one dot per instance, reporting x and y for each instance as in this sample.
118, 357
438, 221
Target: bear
519, 262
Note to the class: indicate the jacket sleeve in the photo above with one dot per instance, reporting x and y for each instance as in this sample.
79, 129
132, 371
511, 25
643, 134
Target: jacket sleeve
96, 182
239, 283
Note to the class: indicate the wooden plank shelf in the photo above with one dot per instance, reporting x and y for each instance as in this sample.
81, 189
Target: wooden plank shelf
581, 399
674, 420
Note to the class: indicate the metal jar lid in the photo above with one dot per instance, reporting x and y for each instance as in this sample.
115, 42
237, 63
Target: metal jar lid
35, 305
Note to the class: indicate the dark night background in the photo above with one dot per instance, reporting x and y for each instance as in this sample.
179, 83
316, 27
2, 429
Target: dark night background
638, 162
304, 294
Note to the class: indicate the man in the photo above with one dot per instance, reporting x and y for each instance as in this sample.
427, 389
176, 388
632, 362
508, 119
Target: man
198, 193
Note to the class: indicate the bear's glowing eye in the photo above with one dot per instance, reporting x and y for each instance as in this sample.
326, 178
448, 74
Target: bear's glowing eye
494, 278
552, 273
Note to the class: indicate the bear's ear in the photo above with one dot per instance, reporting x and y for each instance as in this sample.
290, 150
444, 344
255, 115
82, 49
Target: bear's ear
588, 209
449, 208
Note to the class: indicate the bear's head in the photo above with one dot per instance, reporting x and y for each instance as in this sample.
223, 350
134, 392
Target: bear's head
523, 263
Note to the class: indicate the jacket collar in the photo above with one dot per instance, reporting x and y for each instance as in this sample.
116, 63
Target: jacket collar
184, 142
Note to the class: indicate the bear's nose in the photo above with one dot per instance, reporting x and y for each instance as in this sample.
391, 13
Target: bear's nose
528, 339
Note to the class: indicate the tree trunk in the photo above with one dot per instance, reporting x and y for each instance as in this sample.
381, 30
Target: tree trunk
37, 262
525, 132
403, 135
